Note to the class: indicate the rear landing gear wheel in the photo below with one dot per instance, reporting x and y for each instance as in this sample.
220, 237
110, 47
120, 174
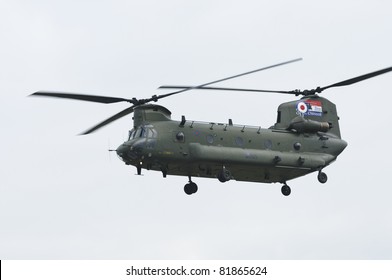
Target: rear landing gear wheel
322, 177
190, 188
224, 175
286, 191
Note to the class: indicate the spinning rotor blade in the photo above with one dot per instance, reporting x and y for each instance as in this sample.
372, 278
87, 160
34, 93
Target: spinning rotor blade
109, 120
343, 83
93, 98
296, 92
228, 89
84, 97
358, 79
134, 101
228, 78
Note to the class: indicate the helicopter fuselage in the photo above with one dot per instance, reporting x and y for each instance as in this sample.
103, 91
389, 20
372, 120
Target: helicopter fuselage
224, 151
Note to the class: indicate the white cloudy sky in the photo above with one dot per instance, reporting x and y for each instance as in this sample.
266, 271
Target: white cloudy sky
63, 196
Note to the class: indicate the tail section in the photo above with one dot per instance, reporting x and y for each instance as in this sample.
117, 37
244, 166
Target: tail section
309, 114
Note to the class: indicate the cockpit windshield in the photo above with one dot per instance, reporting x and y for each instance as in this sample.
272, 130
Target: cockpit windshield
146, 131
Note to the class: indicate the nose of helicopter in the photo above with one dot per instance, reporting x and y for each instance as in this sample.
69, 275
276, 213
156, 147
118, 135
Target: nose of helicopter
130, 150
122, 150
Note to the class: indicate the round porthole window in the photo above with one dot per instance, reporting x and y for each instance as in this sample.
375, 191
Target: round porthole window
210, 139
239, 141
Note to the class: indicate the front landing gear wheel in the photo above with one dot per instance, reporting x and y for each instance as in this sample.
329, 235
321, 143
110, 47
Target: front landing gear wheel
190, 188
286, 191
322, 177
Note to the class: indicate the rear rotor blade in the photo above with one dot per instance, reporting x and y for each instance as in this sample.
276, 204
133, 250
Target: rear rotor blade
109, 120
83, 97
358, 79
297, 91
227, 89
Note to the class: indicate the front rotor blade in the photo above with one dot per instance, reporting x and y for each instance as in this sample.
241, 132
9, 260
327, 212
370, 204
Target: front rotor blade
228, 89
358, 79
109, 120
83, 97
228, 78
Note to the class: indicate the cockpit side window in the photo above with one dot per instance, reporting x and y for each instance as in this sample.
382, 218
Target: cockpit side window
143, 132
139, 132
131, 134
152, 133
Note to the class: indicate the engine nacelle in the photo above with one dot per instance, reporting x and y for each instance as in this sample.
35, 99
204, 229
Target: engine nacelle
302, 125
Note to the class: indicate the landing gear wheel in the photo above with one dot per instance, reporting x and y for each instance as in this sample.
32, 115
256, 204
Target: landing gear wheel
187, 189
322, 177
224, 175
286, 191
190, 188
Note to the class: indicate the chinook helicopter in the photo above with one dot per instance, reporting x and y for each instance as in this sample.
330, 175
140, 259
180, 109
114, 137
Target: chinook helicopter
305, 138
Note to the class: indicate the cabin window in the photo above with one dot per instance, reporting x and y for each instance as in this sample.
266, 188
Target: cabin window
239, 141
210, 138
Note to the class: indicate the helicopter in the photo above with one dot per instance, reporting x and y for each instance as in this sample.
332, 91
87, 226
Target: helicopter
306, 137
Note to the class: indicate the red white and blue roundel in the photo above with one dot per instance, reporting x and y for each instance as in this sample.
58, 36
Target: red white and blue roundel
302, 107
309, 107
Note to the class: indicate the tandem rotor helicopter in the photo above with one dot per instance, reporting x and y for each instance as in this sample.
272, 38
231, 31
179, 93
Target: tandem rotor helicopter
305, 138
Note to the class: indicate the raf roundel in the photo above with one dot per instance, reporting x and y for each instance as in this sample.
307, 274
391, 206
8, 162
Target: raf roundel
302, 107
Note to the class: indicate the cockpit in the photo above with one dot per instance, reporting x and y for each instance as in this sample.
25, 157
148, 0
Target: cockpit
141, 141
144, 131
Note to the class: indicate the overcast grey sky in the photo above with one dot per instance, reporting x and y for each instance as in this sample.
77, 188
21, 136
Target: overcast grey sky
63, 197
